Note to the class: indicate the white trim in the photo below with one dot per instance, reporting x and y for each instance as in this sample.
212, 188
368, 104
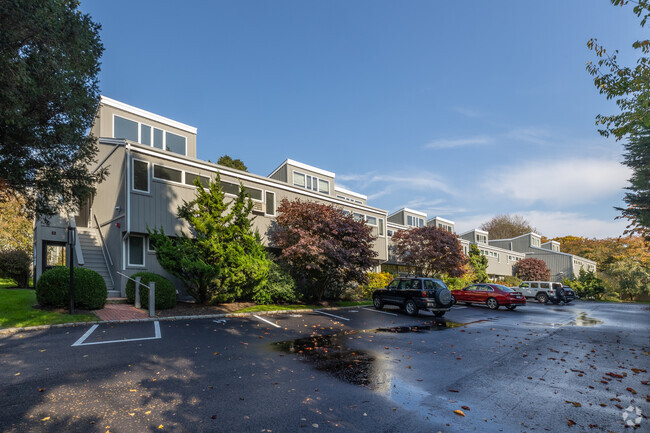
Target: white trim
144, 251
309, 167
148, 191
262, 180
405, 209
147, 115
483, 232
348, 192
442, 219
396, 225
517, 237
275, 207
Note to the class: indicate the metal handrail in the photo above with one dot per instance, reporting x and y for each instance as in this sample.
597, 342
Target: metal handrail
135, 281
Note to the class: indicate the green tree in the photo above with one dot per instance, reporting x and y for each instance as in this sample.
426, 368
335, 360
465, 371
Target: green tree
630, 88
479, 264
507, 226
633, 278
587, 285
224, 259
16, 232
49, 61
227, 161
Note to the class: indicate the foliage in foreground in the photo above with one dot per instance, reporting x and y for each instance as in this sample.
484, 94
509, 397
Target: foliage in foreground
587, 285
629, 86
279, 287
49, 62
224, 260
165, 291
479, 263
375, 280
53, 288
322, 247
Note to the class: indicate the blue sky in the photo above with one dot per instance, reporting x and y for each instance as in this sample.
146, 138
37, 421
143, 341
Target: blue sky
463, 110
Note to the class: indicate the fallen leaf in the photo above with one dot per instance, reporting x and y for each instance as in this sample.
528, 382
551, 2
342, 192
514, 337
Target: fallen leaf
570, 422
160, 426
465, 407
453, 390
459, 412
46, 418
631, 390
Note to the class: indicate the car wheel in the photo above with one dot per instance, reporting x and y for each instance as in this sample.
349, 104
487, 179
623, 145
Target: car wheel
492, 303
411, 308
511, 307
439, 313
542, 298
377, 302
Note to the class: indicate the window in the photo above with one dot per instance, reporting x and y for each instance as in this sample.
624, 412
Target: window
381, 227
230, 188
140, 176
535, 242
191, 177
342, 197
254, 193
166, 173
445, 227
481, 239
409, 220
393, 284
323, 186
358, 216
151, 245
125, 128
157, 138
371, 220
534, 285
147, 135
270, 203
544, 285
136, 250
390, 233
175, 143
299, 179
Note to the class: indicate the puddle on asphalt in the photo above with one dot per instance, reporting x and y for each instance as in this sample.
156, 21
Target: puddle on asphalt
331, 354
584, 320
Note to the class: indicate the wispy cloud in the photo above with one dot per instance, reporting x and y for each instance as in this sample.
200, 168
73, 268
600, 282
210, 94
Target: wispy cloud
467, 112
385, 184
539, 136
573, 181
458, 142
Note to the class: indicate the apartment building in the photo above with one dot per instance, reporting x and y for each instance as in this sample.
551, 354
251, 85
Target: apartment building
152, 163
562, 265
500, 261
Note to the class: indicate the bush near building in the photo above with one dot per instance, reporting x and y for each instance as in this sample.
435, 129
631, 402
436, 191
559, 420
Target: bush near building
16, 265
279, 288
53, 288
532, 269
375, 280
165, 290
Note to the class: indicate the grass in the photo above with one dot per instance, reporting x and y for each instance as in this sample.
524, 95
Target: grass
278, 307
16, 309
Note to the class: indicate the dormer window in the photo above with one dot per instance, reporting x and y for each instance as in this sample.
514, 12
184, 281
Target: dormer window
412, 221
312, 183
481, 239
535, 242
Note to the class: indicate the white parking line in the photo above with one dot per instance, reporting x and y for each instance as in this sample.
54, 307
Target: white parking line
382, 312
264, 320
80, 342
338, 317
458, 307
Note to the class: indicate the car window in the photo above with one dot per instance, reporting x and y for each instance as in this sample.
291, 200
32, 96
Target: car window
487, 288
404, 284
524, 285
416, 284
432, 285
393, 284
545, 285
473, 288
503, 288
534, 285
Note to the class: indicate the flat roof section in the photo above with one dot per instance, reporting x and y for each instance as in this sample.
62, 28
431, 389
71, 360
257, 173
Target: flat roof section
147, 114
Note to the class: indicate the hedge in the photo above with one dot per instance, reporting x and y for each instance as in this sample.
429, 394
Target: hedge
165, 290
53, 288
16, 265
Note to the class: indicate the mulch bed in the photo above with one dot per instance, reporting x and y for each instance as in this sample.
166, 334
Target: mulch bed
193, 309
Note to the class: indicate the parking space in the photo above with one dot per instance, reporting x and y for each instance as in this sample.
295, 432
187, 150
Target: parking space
119, 333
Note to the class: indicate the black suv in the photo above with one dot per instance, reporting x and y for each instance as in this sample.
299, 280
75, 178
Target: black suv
413, 294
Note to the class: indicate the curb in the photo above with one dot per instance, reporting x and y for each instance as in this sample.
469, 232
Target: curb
171, 318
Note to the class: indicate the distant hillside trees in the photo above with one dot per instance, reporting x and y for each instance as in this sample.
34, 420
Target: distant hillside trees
507, 226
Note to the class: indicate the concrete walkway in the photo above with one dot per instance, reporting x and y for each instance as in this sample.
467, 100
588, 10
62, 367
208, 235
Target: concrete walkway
118, 312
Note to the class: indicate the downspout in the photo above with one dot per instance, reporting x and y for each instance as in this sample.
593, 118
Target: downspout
127, 214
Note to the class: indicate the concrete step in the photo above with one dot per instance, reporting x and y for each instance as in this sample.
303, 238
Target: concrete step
115, 297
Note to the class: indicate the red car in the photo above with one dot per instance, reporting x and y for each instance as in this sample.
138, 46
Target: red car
492, 295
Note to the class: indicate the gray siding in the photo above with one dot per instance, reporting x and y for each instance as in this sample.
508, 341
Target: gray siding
559, 264
280, 174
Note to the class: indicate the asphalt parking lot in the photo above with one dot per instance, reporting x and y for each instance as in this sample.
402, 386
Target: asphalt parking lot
574, 367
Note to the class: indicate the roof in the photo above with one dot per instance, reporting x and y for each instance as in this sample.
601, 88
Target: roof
147, 114
442, 219
405, 209
303, 166
517, 237
348, 192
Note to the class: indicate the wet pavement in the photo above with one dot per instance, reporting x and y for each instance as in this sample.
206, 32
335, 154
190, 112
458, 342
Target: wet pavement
576, 367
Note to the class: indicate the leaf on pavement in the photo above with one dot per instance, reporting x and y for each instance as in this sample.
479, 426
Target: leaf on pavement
631, 390
459, 412
570, 422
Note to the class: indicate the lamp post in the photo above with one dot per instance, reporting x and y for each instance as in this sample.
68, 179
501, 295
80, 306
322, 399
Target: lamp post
72, 240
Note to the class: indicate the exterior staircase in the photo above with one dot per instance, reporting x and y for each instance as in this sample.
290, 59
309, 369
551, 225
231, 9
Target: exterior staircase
94, 257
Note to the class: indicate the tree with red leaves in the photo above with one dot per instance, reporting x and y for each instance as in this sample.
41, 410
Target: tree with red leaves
532, 269
322, 246
431, 251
